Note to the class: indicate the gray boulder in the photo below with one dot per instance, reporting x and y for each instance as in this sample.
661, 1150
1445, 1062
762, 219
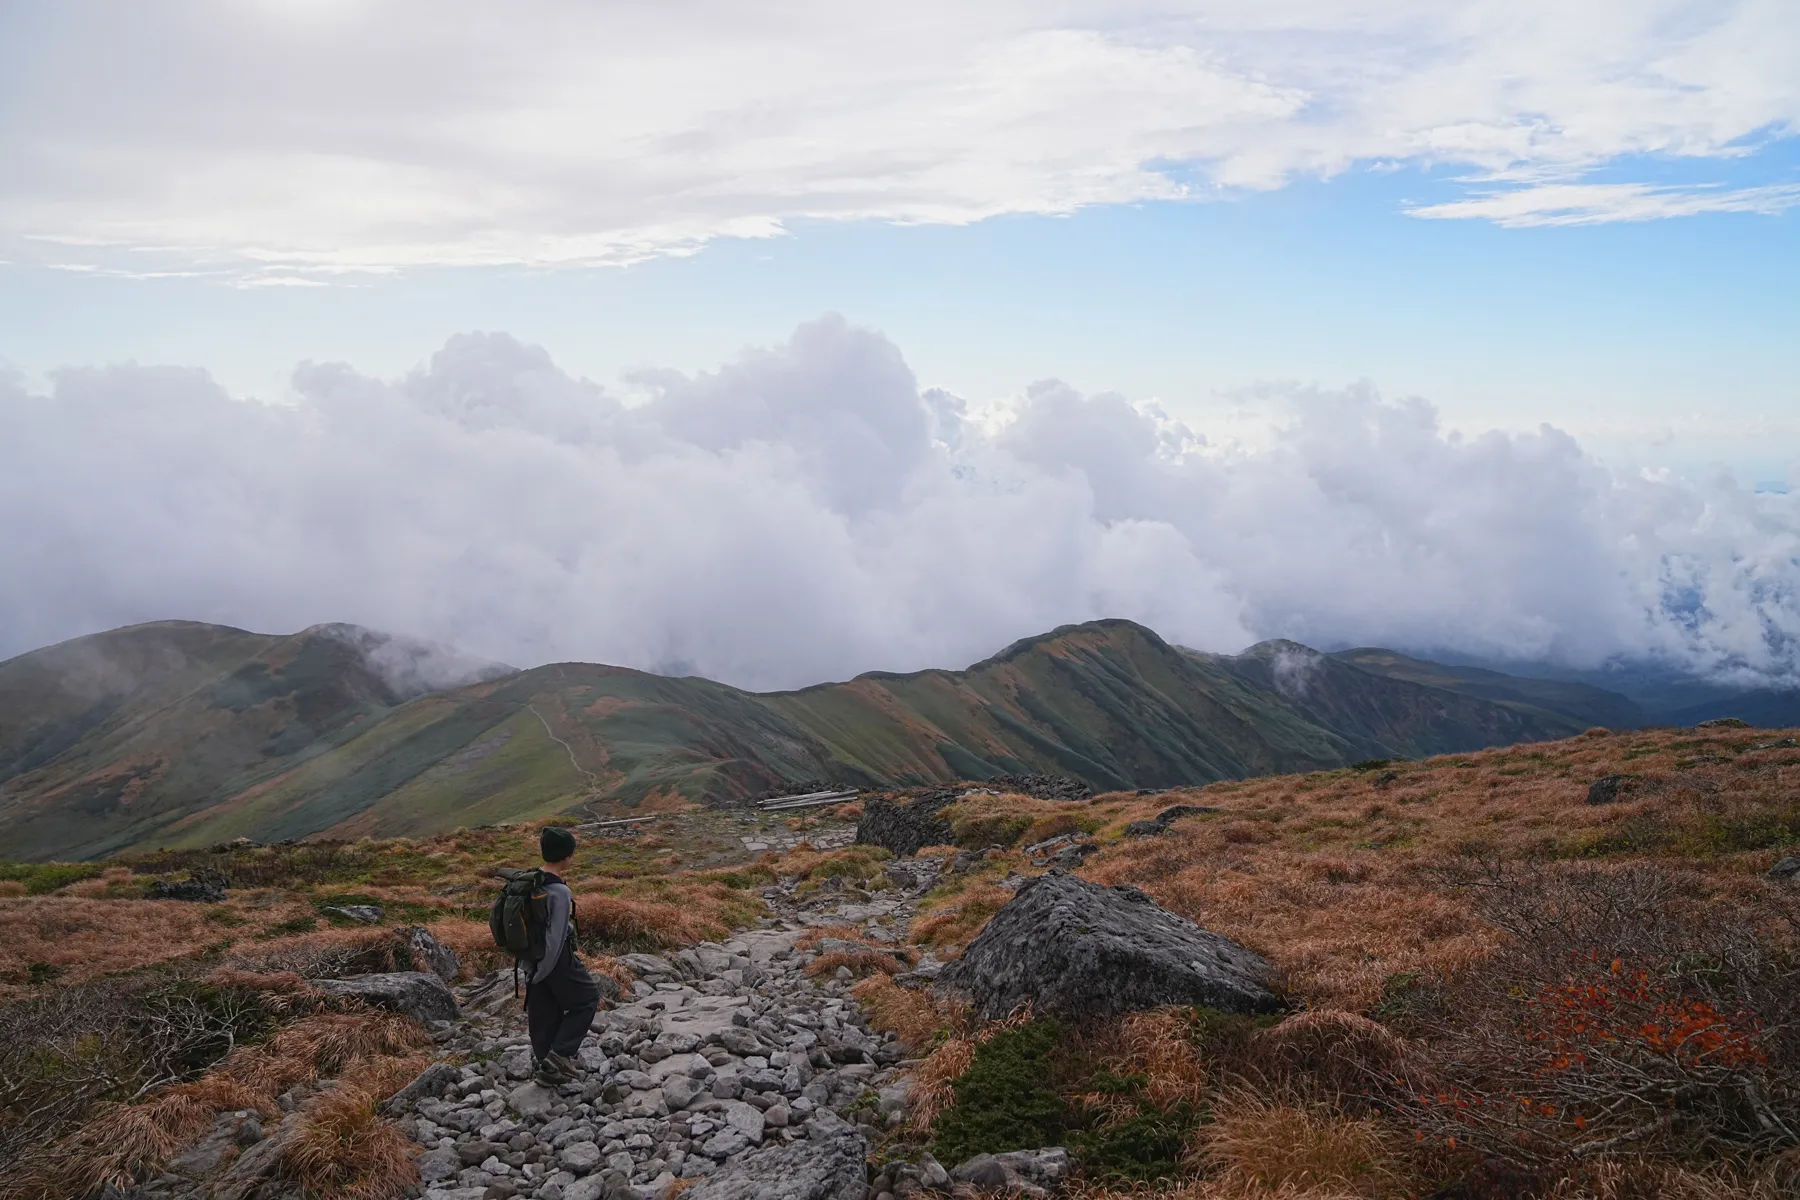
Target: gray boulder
421, 996
1606, 789
904, 828
1786, 871
367, 914
829, 1165
204, 887
1076, 949
1169, 816
429, 954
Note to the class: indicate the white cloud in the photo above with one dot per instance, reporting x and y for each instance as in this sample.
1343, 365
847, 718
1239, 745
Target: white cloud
1601, 203
381, 136
804, 513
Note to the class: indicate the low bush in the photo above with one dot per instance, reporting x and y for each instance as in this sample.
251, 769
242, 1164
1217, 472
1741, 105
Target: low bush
37, 879
1003, 1100
1622, 1010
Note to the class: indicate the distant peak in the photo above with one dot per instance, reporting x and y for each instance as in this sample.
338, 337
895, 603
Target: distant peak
411, 666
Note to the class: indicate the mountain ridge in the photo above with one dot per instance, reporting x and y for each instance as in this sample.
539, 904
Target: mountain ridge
225, 733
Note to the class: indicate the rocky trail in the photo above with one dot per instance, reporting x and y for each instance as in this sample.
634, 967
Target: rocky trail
728, 1071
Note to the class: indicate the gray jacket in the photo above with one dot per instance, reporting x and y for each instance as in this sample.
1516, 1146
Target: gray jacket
561, 903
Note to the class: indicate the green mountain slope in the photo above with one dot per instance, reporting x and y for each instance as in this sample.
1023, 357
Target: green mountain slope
224, 734
106, 741
1579, 705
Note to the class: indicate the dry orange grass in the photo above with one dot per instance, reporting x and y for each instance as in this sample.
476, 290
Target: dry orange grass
843, 933
120, 1142
934, 1082
1330, 875
907, 1013
958, 918
1337, 1056
1054, 825
1155, 1046
859, 962
473, 943
85, 939
343, 1148
322, 953
619, 921
1260, 1143
11, 888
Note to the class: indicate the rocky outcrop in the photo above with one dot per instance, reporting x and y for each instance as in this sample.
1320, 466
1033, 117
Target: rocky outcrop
429, 954
1043, 787
1076, 949
203, 887
1166, 818
1607, 788
419, 995
903, 828
363, 914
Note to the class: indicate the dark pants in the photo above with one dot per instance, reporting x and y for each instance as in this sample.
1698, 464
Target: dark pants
559, 1010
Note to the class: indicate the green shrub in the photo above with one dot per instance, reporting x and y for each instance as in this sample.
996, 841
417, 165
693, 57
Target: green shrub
1004, 1101
1143, 1148
40, 878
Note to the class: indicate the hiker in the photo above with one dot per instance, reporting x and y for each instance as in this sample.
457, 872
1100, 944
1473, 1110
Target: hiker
560, 996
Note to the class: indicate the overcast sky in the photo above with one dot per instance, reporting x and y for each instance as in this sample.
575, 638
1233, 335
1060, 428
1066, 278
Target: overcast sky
1464, 324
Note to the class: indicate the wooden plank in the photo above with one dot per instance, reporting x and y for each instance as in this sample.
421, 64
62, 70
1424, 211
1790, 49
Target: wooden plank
832, 793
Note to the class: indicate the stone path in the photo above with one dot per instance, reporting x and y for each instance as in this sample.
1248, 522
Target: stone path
727, 1066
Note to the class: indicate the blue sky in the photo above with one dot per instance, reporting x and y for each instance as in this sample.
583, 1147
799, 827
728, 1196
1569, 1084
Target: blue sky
1627, 334
1176, 254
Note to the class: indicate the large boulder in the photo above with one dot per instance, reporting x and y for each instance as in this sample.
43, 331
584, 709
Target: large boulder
828, 1165
1075, 949
205, 886
430, 954
418, 994
902, 829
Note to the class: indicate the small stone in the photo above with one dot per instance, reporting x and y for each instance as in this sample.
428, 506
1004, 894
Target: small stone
532, 1100
746, 1119
367, 914
579, 1157
437, 1164
679, 1092
590, 1188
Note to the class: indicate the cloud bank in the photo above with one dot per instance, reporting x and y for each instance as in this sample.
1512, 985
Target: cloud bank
806, 512
284, 140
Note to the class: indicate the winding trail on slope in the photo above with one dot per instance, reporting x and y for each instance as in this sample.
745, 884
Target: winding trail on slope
593, 779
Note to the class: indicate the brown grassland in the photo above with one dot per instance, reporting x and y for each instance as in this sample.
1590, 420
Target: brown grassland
1493, 988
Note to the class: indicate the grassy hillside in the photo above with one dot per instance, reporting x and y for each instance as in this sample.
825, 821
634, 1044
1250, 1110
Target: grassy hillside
275, 738
1560, 702
1495, 989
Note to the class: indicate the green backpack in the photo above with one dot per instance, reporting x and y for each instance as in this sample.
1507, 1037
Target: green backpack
520, 918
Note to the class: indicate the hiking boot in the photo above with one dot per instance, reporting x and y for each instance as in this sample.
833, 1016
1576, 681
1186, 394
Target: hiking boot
547, 1074
554, 1070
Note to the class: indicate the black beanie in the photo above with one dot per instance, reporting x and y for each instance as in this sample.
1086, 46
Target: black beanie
557, 844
